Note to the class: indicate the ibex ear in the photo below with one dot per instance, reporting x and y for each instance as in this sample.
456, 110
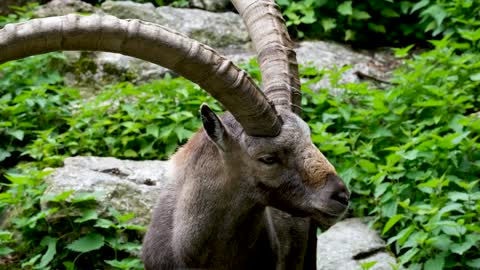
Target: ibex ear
214, 127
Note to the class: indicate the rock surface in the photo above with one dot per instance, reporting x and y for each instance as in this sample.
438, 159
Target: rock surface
131, 186
63, 7
225, 32
350, 244
132, 10
128, 186
210, 5
218, 30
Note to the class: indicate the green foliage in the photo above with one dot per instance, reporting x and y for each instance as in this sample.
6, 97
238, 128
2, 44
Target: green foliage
411, 155
144, 122
21, 14
381, 21
66, 233
31, 99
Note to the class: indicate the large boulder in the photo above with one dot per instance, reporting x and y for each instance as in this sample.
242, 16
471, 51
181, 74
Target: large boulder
132, 10
63, 7
128, 186
351, 244
218, 30
108, 68
132, 186
225, 32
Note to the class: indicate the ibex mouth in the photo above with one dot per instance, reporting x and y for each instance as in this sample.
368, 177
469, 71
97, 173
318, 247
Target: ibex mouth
336, 210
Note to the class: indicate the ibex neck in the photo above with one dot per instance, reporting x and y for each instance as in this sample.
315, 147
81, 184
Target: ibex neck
215, 208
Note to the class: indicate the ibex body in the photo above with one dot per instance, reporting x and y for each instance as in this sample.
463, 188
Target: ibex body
218, 212
247, 191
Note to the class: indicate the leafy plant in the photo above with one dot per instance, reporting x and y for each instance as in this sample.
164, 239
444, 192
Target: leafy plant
22, 13
381, 22
31, 99
145, 122
66, 232
411, 155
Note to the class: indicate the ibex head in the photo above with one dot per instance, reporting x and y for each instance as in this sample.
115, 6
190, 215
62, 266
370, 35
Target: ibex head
286, 171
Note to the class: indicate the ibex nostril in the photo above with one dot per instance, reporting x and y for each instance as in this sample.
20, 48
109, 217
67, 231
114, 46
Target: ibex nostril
341, 197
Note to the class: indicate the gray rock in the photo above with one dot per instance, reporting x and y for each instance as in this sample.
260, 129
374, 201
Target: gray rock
132, 10
218, 30
91, 71
128, 186
225, 32
372, 66
349, 244
110, 68
63, 7
210, 5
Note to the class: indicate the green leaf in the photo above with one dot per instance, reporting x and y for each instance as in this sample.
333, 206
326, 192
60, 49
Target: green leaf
368, 265
377, 28
5, 251
50, 253
389, 13
367, 165
79, 197
435, 263
328, 24
18, 134
90, 214
153, 130
461, 248
349, 35
391, 222
4, 154
380, 189
475, 77
345, 8
410, 155
105, 223
403, 52
360, 14
87, 243
437, 13
474, 263
420, 5
58, 197
130, 153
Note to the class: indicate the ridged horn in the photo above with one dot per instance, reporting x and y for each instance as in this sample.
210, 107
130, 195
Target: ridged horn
197, 62
277, 59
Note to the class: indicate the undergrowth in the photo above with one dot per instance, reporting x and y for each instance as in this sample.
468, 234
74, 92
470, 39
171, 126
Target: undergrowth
409, 154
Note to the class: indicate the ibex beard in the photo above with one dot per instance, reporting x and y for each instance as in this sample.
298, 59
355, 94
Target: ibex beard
235, 200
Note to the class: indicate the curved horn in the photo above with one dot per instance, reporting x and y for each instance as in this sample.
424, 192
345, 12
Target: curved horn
154, 43
277, 59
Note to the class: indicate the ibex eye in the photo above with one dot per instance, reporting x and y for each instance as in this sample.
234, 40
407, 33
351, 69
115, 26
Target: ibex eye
269, 160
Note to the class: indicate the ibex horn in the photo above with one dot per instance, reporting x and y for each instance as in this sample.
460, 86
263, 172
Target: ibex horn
277, 59
217, 75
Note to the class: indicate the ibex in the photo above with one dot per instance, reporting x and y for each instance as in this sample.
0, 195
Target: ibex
249, 189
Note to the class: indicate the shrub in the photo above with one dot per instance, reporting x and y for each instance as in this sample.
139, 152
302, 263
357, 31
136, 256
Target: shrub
125, 121
411, 156
381, 22
68, 234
